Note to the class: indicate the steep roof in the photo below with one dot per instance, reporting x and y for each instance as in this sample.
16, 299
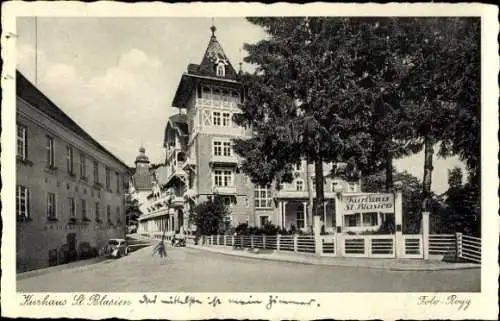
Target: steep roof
29, 93
214, 54
205, 71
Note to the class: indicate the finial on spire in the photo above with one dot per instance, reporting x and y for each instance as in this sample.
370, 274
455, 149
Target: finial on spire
212, 28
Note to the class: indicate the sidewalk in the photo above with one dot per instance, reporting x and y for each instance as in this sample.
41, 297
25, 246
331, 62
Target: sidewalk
60, 267
367, 263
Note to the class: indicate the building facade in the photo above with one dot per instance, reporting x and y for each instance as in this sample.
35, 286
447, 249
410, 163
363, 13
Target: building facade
69, 193
200, 162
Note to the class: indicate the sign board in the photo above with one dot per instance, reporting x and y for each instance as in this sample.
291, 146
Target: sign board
365, 203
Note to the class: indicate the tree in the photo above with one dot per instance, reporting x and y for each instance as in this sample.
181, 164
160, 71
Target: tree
132, 211
210, 217
303, 101
455, 177
437, 66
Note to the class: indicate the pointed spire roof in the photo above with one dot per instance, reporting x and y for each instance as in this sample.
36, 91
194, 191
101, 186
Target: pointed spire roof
213, 56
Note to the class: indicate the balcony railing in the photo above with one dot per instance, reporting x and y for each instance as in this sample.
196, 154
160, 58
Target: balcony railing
220, 159
224, 190
202, 102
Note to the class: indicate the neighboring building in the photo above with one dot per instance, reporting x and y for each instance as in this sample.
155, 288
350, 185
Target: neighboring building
69, 193
200, 161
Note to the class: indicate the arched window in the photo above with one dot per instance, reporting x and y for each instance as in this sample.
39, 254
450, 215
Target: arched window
299, 185
221, 69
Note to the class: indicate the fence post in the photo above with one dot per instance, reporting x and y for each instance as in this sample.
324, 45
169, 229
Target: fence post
212, 236
295, 243
459, 244
224, 236
241, 241
425, 234
278, 237
264, 241
399, 245
251, 241
232, 241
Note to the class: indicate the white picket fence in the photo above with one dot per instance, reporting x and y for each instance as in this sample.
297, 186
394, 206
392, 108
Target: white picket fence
366, 246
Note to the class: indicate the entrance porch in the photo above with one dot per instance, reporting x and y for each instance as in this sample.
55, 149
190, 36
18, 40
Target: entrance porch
292, 214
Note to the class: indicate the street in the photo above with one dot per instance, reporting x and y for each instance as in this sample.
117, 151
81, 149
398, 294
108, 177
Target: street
191, 270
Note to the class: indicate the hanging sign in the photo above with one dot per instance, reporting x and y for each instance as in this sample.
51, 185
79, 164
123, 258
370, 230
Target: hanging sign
363, 203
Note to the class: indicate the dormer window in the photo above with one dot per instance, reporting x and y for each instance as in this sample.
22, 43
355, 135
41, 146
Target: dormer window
220, 69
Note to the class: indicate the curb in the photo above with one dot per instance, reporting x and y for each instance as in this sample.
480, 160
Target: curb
316, 261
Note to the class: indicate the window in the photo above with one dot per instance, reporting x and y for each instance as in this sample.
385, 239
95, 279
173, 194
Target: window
226, 119
352, 220
223, 178
96, 172
227, 178
108, 179
217, 148
227, 201
298, 166
117, 175
216, 118
313, 182
263, 198
221, 70
83, 166
264, 220
108, 213
299, 185
226, 150
118, 218
69, 159
352, 187
370, 219
71, 207
84, 209
97, 212
22, 203
51, 206
50, 151
334, 183
22, 142
300, 219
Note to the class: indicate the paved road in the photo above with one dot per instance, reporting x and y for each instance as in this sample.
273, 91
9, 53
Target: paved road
191, 270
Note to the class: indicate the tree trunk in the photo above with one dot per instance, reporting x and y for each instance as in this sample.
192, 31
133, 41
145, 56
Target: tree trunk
320, 197
388, 171
427, 181
310, 193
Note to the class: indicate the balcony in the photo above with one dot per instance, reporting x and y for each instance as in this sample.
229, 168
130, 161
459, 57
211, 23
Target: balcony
289, 193
224, 160
224, 190
217, 103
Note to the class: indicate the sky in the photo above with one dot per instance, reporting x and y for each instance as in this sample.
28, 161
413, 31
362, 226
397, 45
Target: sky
116, 77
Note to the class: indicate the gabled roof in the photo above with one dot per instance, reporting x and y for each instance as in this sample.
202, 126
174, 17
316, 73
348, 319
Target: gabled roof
178, 122
29, 93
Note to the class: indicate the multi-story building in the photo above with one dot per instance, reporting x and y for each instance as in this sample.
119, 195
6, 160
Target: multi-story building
69, 193
200, 161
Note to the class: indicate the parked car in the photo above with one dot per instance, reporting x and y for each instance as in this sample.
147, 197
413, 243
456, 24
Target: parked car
117, 248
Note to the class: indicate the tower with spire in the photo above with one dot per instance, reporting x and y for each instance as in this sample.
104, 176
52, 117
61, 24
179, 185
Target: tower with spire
209, 94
